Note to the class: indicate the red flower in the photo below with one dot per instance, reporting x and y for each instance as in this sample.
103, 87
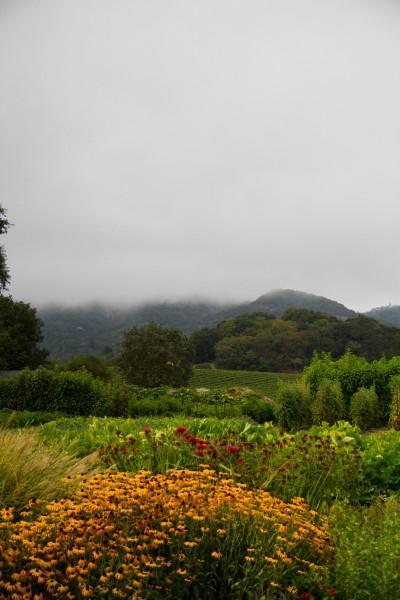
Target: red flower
306, 596
147, 430
199, 452
181, 430
331, 592
232, 449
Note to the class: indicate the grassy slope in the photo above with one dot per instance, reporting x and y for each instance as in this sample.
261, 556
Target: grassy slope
260, 381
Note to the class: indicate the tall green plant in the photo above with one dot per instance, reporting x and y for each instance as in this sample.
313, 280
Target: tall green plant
394, 418
364, 408
329, 404
293, 406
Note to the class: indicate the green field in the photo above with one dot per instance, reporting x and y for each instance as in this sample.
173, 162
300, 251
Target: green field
263, 382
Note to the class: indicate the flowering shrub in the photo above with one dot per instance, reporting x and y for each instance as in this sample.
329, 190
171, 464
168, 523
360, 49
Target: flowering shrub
186, 534
319, 468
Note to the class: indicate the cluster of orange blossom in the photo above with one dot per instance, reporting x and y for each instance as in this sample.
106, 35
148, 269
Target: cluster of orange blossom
147, 536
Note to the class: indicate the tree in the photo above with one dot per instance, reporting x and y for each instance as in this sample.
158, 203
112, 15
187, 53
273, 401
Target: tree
203, 341
4, 273
20, 332
20, 329
153, 355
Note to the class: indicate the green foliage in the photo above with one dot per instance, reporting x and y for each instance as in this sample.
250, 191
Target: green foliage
47, 390
203, 342
258, 409
153, 355
82, 435
293, 406
367, 550
16, 419
364, 408
261, 342
167, 402
328, 405
394, 417
95, 365
353, 372
381, 464
267, 345
20, 334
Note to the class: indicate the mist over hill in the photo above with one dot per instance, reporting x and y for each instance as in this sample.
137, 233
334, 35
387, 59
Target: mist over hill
388, 315
97, 329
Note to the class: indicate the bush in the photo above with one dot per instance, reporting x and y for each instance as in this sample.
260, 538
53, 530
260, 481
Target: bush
367, 550
364, 408
258, 409
394, 417
328, 405
46, 390
381, 464
293, 406
95, 365
7, 392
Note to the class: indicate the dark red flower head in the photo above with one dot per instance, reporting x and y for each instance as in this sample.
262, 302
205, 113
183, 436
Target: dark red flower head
181, 430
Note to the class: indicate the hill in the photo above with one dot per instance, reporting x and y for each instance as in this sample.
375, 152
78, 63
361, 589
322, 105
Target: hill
97, 329
278, 301
389, 315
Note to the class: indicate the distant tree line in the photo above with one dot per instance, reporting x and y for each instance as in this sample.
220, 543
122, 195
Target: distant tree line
263, 343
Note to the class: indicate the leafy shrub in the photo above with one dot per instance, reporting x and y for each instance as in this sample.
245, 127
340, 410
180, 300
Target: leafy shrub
364, 408
7, 392
46, 390
293, 406
367, 550
394, 417
328, 405
29, 470
95, 365
120, 394
381, 464
258, 409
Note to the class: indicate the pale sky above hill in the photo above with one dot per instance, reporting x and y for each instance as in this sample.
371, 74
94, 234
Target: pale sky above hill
216, 148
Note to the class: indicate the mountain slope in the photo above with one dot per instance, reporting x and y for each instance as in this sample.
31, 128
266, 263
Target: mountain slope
277, 301
97, 329
389, 315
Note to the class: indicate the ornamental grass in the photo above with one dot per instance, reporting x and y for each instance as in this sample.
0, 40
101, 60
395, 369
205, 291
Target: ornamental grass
28, 469
180, 535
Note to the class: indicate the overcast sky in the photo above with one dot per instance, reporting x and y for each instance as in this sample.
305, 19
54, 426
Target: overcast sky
169, 149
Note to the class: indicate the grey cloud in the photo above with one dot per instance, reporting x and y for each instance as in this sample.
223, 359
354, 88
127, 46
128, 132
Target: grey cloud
221, 149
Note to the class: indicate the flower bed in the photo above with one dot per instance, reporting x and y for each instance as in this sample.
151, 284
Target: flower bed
183, 534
